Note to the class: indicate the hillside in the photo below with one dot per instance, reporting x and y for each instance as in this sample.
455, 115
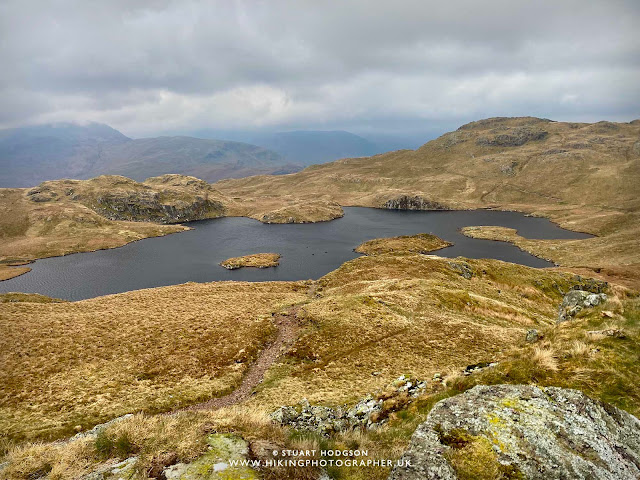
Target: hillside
583, 176
74, 364
65, 216
30, 155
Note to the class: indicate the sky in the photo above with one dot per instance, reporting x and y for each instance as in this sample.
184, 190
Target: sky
392, 67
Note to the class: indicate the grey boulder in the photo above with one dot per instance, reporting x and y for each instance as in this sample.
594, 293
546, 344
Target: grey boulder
535, 433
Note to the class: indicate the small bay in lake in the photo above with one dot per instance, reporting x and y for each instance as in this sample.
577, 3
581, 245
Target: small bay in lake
308, 251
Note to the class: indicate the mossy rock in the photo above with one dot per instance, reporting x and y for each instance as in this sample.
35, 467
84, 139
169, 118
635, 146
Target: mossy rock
217, 463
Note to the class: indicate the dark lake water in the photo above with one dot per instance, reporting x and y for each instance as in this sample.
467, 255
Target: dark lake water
308, 251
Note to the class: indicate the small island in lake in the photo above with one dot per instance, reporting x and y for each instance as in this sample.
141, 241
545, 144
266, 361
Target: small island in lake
257, 260
405, 244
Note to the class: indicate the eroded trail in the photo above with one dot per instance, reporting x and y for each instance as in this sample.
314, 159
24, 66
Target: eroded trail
288, 329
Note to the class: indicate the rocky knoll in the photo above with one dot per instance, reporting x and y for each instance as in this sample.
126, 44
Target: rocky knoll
165, 199
523, 431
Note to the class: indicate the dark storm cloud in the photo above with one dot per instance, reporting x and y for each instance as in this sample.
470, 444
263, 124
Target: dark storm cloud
151, 66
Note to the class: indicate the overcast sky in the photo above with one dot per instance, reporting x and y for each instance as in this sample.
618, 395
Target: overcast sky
388, 66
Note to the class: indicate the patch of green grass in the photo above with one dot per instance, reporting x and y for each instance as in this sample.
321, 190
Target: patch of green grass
120, 446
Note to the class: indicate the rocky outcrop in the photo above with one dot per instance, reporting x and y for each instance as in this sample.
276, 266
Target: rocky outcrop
41, 193
523, 431
462, 268
165, 199
512, 137
151, 207
367, 413
577, 300
532, 335
114, 470
406, 202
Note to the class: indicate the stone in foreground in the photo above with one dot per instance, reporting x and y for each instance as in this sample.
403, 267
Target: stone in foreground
523, 431
224, 460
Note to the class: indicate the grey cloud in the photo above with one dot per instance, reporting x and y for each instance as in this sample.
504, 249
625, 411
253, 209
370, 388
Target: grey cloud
154, 66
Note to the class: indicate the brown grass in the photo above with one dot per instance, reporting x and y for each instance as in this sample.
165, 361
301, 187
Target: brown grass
257, 260
609, 374
406, 314
68, 364
7, 272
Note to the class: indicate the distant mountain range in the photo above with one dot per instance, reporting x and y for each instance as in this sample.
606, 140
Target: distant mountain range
30, 155
308, 147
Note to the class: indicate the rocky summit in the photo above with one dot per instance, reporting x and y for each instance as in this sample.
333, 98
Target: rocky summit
523, 431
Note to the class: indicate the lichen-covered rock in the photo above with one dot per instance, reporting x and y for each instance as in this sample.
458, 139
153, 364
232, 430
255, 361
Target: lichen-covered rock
95, 431
406, 202
577, 300
367, 413
532, 336
589, 284
223, 460
124, 470
529, 432
462, 268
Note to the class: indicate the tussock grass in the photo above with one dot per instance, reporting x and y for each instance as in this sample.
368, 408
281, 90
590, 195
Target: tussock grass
382, 316
371, 320
81, 363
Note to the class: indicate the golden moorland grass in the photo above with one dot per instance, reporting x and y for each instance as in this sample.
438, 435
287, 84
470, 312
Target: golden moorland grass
404, 244
377, 293
7, 272
30, 230
377, 317
256, 260
80, 363
573, 253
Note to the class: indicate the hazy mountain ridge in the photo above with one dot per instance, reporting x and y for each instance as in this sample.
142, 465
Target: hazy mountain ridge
308, 147
30, 155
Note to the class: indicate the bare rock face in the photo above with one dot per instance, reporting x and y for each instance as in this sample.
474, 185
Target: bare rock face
155, 207
525, 432
406, 202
